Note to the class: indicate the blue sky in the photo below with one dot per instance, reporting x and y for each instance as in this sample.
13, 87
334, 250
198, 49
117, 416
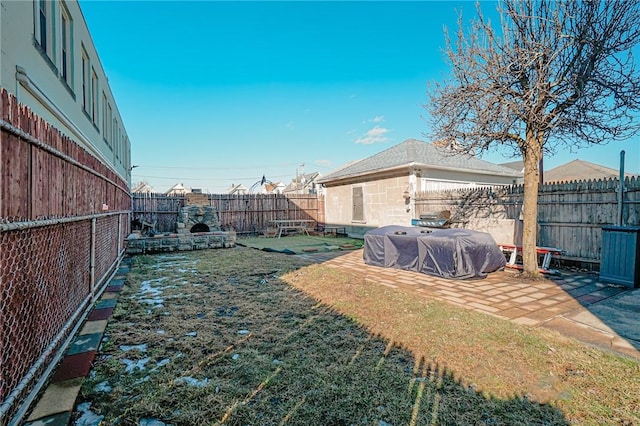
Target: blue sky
215, 93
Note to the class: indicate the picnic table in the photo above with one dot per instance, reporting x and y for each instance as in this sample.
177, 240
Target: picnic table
300, 225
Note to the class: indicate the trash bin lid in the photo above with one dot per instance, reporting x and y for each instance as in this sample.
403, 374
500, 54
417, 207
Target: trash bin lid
621, 228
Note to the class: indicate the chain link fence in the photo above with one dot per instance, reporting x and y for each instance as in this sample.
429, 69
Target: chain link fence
58, 248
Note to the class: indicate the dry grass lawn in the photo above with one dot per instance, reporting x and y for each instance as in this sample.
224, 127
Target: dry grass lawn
245, 337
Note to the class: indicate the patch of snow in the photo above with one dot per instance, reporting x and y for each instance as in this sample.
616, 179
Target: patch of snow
163, 362
147, 285
235, 357
192, 334
104, 387
134, 365
193, 382
160, 363
88, 417
158, 302
126, 348
144, 379
243, 331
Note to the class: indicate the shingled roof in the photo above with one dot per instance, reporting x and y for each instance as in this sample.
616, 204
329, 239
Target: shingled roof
413, 152
580, 170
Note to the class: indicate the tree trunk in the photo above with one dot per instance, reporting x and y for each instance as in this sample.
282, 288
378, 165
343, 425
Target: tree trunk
530, 210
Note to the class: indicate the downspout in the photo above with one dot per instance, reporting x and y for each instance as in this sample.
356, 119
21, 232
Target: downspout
92, 257
412, 191
120, 234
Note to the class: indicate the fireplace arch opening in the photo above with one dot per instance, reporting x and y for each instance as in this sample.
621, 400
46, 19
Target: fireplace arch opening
199, 227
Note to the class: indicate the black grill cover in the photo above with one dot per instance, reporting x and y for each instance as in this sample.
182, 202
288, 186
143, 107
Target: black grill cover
392, 247
447, 253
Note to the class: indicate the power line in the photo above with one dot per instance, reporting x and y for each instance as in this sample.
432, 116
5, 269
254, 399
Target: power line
271, 166
204, 179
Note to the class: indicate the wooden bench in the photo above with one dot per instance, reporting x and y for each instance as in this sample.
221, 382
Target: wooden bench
332, 230
546, 253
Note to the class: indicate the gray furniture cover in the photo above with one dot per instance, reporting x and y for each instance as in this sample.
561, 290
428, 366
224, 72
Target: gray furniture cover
447, 253
392, 247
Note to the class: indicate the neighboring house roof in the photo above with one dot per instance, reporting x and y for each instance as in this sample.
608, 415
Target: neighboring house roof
580, 170
274, 187
237, 189
302, 182
178, 188
413, 152
515, 165
142, 188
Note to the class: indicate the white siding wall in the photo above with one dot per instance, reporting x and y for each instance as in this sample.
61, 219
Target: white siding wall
42, 87
383, 201
436, 180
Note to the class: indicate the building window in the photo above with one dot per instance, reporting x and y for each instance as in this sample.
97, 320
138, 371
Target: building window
85, 80
65, 44
104, 116
94, 96
357, 204
115, 137
42, 25
107, 134
127, 153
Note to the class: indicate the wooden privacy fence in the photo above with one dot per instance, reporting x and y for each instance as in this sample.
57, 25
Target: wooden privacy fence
246, 214
570, 215
64, 217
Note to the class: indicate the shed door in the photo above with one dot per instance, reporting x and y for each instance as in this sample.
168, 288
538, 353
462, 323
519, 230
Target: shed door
358, 205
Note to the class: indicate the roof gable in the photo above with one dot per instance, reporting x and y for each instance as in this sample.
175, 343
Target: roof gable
143, 187
418, 153
302, 182
580, 170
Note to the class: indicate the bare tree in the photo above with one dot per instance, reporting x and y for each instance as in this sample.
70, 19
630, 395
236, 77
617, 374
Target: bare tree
551, 74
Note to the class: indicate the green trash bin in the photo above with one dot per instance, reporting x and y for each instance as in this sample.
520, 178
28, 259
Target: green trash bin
620, 256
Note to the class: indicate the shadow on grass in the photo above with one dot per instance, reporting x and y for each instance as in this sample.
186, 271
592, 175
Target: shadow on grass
215, 337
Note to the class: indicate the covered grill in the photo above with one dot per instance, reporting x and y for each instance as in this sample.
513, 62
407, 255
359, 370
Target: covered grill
433, 220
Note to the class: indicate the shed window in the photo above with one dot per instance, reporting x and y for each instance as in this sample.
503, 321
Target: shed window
358, 205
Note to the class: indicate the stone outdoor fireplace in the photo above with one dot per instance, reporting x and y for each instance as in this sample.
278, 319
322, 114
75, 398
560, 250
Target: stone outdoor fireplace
198, 228
197, 216
196, 219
